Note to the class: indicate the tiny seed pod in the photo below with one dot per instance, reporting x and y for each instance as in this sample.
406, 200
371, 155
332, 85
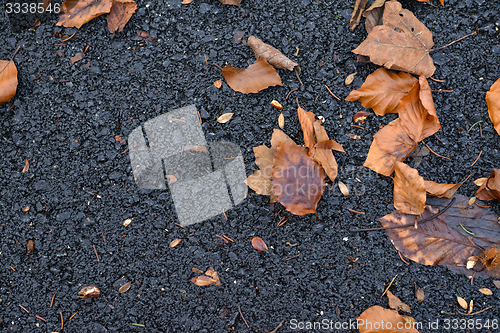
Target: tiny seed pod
485, 291
462, 303
125, 287
174, 243
276, 104
30, 246
89, 292
360, 117
225, 117
281, 121
259, 244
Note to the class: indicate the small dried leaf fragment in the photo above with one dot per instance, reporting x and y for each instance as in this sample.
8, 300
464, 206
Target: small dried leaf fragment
396, 304
493, 101
125, 287
218, 84
485, 291
401, 43
120, 13
306, 120
77, 57
230, 2
259, 244
349, 79
382, 91
127, 222
203, 280
174, 243
360, 117
276, 104
462, 302
26, 166
196, 270
238, 35
143, 34
359, 7
374, 15
225, 117
89, 292
171, 179
75, 13
213, 274
281, 120
8, 80
186, 2
25, 209
324, 156
490, 189
420, 295
30, 246
496, 283
330, 144
343, 188
491, 258
255, 78
441, 190
120, 140
271, 54
375, 317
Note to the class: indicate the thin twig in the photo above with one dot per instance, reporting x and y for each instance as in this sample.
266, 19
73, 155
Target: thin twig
478, 156
102, 233
432, 151
412, 223
22, 307
213, 63
475, 313
40, 318
442, 90
474, 125
229, 239
15, 52
357, 126
433, 79
65, 40
95, 251
399, 252
225, 240
62, 321
390, 284
295, 256
276, 329
442, 47
52, 300
74, 314
241, 314
355, 211
331, 92
291, 91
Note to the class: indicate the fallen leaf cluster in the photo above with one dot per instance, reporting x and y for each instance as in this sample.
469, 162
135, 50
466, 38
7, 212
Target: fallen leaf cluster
261, 74
75, 13
210, 277
292, 174
8, 80
489, 188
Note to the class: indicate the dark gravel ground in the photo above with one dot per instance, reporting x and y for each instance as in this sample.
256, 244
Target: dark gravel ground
80, 185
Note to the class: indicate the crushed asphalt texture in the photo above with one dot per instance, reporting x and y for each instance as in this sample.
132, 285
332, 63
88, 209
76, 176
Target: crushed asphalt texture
80, 186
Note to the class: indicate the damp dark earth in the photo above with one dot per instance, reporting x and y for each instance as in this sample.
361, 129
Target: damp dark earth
69, 125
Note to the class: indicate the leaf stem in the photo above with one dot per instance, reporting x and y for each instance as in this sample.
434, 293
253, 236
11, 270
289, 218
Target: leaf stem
442, 47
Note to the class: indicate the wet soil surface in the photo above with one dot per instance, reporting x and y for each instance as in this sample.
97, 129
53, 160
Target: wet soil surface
80, 187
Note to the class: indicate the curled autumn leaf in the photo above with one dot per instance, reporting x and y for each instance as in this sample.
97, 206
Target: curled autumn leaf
409, 190
382, 91
396, 304
272, 55
120, 13
374, 15
298, 181
75, 13
8, 80
306, 120
490, 188
493, 100
441, 190
376, 319
322, 152
359, 7
401, 43
490, 258
253, 79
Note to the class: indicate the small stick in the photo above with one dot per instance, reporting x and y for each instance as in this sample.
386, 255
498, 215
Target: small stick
442, 47
225, 240
60, 44
472, 278
316, 98
478, 156
399, 252
442, 90
331, 92
40, 318
357, 126
241, 314
65, 40
95, 251
481, 205
283, 221
437, 137
412, 223
12, 268
475, 313
223, 212
52, 301
62, 321
22, 307
15, 52
433, 79
355, 211
291, 91
102, 233
276, 329
432, 151
179, 225
295, 256
74, 314
474, 125
390, 284
217, 65
86, 49
229, 239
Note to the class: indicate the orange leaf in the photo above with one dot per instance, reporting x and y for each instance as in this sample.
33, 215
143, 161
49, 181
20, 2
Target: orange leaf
490, 189
376, 319
441, 190
330, 144
306, 120
271, 54
203, 280
120, 14
261, 184
493, 100
417, 113
390, 144
75, 13
280, 136
26, 166
396, 304
230, 2
374, 15
298, 181
382, 91
324, 156
409, 190
401, 43
255, 78
213, 274
8, 80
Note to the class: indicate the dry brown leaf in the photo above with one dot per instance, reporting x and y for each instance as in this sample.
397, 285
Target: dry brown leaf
230, 2
330, 144
417, 113
280, 136
376, 319
419, 294
349, 79
259, 244
480, 181
382, 91
306, 120
401, 43
298, 181
359, 7
490, 258
485, 291
324, 156
493, 100
186, 2
396, 304
281, 120
441, 190
271, 54
30, 247
225, 117
374, 15
77, 57
125, 287
360, 117
75, 13
496, 283
390, 145
213, 274
462, 302
120, 14
490, 189
343, 188
218, 84
203, 280
26, 166
255, 78
8, 80
196, 270
260, 183
409, 190
174, 243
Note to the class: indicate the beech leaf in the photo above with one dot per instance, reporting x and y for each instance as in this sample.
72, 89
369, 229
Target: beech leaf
376, 319
359, 7
255, 78
493, 100
272, 55
490, 189
409, 190
298, 181
374, 15
306, 120
382, 91
401, 43
324, 156
120, 14
8, 80
441, 190
396, 304
75, 13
